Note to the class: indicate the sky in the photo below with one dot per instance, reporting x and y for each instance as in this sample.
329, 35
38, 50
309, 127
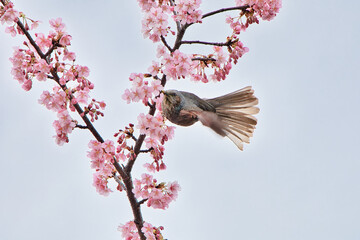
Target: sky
298, 178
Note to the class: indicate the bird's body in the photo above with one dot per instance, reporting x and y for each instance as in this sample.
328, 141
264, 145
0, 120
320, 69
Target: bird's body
229, 115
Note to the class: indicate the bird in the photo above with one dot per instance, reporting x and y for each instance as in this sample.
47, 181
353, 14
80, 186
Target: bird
230, 115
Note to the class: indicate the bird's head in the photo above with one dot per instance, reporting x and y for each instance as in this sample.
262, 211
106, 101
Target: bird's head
171, 97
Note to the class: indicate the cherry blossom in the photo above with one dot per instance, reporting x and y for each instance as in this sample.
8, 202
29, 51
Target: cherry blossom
158, 195
141, 89
267, 9
187, 11
155, 24
63, 126
8, 14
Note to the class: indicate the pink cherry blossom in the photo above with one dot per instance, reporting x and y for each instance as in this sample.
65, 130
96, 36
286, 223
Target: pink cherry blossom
187, 11
177, 66
82, 71
10, 15
65, 40
158, 196
63, 126
100, 183
27, 84
141, 89
129, 231
34, 24
82, 96
267, 9
161, 51
42, 69
43, 41
55, 101
102, 156
57, 24
69, 55
155, 24
154, 69
11, 30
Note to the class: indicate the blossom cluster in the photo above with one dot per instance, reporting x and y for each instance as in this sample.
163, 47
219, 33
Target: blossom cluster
155, 22
178, 65
124, 150
141, 89
157, 133
63, 126
187, 11
129, 231
8, 14
51, 58
102, 157
157, 195
175, 65
266, 9
219, 61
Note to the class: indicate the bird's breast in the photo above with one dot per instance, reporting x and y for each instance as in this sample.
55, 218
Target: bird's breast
179, 116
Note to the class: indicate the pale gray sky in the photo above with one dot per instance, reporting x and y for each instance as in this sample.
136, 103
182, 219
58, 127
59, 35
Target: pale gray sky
298, 179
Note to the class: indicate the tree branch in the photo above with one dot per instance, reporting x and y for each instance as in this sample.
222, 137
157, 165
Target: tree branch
143, 201
242, 8
146, 150
126, 176
228, 43
51, 49
205, 59
81, 126
165, 43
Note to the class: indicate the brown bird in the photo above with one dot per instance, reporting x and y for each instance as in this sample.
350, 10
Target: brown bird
230, 115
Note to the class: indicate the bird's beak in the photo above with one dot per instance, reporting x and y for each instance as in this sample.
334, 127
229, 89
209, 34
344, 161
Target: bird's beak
164, 92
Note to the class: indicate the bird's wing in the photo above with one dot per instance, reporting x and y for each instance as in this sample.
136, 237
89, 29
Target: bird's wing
193, 102
212, 120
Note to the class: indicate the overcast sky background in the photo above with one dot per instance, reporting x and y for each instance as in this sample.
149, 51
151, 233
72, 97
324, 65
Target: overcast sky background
298, 179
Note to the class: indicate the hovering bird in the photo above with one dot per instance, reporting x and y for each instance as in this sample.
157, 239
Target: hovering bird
230, 115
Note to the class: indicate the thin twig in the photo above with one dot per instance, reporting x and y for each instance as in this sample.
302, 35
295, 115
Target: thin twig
51, 49
242, 8
165, 43
228, 43
81, 126
146, 150
142, 201
205, 59
132, 136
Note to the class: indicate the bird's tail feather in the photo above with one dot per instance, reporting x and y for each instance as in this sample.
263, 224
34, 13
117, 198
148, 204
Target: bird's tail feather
235, 112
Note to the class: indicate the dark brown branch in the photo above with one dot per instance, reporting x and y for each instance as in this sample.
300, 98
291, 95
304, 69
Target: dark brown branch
179, 37
51, 49
146, 150
205, 59
165, 43
242, 8
132, 137
143, 201
228, 43
81, 126
31, 40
